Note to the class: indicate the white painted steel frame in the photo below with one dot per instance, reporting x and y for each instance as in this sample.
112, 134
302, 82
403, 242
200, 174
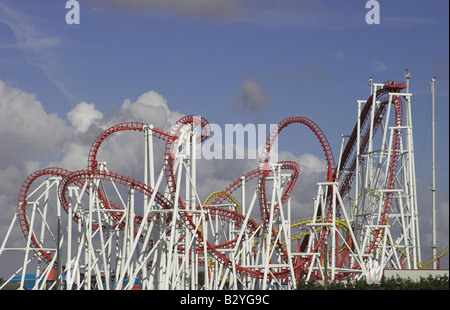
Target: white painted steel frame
164, 253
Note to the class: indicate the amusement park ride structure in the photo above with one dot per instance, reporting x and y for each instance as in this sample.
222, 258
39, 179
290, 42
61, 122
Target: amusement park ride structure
97, 229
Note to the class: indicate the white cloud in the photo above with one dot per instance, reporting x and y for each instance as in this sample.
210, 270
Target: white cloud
73, 157
252, 97
203, 9
83, 115
150, 107
33, 138
309, 164
27, 131
286, 13
122, 151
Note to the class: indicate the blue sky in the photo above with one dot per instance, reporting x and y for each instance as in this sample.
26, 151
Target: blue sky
293, 58
309, 57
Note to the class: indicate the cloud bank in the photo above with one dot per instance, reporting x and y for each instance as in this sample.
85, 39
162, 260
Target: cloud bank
203, 9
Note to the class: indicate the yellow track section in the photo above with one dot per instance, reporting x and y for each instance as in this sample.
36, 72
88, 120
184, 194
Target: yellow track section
229, 198
434, 258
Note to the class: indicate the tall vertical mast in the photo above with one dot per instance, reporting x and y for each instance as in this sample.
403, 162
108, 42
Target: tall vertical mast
433, 186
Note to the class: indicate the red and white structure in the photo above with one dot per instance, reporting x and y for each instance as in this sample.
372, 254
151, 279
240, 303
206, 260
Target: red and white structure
97, 229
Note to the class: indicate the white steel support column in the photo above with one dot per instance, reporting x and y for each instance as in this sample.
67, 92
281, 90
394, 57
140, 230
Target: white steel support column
28, 246
342, 236
277, 232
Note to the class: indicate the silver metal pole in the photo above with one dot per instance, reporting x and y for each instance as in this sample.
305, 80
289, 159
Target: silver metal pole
433, 185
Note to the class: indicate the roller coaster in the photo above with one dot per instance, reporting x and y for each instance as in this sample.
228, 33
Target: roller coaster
98, 229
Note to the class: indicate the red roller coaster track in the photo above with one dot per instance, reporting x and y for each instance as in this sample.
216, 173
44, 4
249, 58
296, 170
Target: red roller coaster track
78, 178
